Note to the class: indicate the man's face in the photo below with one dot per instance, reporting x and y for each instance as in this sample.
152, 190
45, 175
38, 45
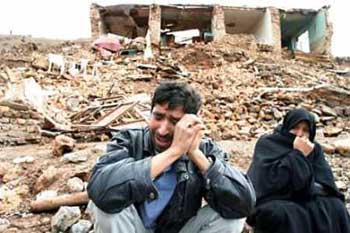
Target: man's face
162, 125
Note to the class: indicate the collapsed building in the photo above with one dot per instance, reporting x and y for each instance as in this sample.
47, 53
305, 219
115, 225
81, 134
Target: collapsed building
271, 26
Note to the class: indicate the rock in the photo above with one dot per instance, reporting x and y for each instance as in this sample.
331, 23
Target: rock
73, 103
4, 224
328, 111
76, 157
3, 169
75, 184
277, 114
24, 159
319, 134
339, 110
341, 185
316, 116
65, 217
331, 131
342, 147
325, 119
83, 155
83, 226
46, 179
244, 131
61, 145
40, 63
46, 194
327, 148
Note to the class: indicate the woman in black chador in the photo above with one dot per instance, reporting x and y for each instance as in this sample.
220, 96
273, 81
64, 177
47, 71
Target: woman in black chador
294, 184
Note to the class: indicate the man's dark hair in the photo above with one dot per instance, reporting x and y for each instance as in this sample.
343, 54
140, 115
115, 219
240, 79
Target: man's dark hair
177, 94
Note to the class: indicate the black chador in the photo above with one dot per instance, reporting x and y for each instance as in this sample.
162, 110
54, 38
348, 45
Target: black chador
295, 193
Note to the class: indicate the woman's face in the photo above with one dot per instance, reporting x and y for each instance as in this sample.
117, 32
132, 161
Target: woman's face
301, 129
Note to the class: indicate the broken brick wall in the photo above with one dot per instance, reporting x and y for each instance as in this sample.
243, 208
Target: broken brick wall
96, 22
320, 32
218, 22
276, 30
19, 126
154, 23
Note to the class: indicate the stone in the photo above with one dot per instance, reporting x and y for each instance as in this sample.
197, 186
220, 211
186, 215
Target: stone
3, 169
76, 157
62, 144
342, 147
328, 148
341, 185
244, 131
328, 111
316, 116
326, 119
277, 114
24, 159
46, 179
40, 63
75, 184
46, 194
65, 217
331, 131
83, 226
4, 224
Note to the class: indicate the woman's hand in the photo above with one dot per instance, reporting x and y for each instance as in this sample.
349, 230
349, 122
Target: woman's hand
304, 145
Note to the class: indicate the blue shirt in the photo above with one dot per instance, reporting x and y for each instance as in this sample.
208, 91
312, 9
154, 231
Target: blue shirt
165, 185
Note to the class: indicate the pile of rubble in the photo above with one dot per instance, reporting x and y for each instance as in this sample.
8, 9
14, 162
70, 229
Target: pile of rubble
246, 89
19, 125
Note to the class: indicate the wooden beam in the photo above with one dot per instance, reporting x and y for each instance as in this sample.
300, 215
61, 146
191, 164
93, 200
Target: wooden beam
113, 115
53, 203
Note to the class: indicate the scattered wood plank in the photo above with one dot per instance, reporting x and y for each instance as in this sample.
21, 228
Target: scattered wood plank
114, 114
312, 58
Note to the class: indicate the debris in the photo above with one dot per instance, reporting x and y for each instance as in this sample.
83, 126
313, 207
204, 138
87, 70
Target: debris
75, 184
82, 226
61, 145
312, 58
331, 131
65, 218
81, 155
246, 89
24, 159
342, 147
46, 179
328, 148
56, 60
46, 195
4, 224
53, 203
108, 43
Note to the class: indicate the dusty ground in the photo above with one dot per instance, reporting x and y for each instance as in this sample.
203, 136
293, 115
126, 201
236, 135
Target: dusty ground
26, 174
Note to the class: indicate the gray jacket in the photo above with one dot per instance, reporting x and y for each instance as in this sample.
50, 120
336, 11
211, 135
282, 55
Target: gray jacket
122, 177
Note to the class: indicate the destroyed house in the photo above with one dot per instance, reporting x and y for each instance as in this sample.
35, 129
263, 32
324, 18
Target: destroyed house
303, 29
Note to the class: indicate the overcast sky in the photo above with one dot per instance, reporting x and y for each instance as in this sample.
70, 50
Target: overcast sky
69, 19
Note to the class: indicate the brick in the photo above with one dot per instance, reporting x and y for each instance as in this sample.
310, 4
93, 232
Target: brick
20, 121
4, 120
4, 109
8, 114
33, 129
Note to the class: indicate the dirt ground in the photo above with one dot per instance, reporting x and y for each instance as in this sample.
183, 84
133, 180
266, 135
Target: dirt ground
26, 174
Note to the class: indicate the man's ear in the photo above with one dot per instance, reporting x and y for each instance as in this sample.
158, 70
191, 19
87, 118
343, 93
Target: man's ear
199, 113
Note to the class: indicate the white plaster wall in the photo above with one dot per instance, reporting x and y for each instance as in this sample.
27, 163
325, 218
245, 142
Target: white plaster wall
263, 29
